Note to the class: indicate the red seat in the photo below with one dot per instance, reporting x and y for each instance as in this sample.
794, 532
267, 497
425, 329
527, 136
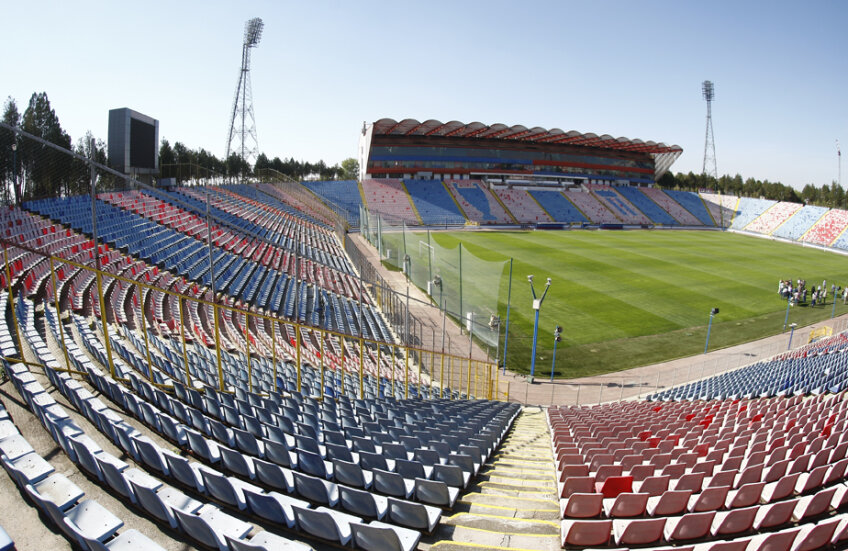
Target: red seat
691, 526
638, 531
585, 533
737, 521
614, 485
626, 505
815, 535
577, 484
579, 505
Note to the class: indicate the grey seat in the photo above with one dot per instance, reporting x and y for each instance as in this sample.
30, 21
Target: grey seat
89, 519
435, 493
414, 515
412, 469
173, 430
371, 461
29, 469
274, 476
351, 474
316, 489
427, 457
210, 526
236, 462
161, 504
464, 462
184, 471
338, 451
392, 484
452, 475
85, 448
379, 536
395, 451
324, 523
14, 446
266, 541
203, 447
363, 503
222, 433
129, 540
60, 490
150, 454
247, 442
311, 463
119, 481
278, 453
273, 506
226, 489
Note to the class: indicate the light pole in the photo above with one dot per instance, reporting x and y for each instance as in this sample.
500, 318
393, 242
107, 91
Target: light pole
713, 312
15, 162
537, 305
792, 327
834, 289
788, 304
557, 338
495, 325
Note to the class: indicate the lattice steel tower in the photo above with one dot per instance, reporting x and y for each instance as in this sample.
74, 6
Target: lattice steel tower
709, 168
242, 122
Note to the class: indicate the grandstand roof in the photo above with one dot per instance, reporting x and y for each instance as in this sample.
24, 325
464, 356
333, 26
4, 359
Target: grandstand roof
663, 154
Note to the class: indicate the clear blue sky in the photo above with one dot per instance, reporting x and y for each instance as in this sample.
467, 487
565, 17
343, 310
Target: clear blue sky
623, 68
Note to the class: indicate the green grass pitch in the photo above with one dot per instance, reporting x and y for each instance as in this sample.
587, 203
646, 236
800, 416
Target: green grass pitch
631, 298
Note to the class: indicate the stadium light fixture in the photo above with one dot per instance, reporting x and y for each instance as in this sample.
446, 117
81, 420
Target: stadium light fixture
557, 338
253, 32
537, 305
792, 327
713, 313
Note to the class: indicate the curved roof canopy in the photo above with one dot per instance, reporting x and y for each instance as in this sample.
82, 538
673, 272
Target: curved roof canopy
664, 155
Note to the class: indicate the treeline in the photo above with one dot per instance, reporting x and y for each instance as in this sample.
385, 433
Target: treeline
832, 196
31, 170
173, 159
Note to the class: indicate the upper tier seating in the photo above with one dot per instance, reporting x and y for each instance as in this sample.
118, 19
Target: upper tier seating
478, 202
523, 207
748, 209
433, 202
591, 207
817, 368
693, 203
387, 197
801, 221
623, 209
657, 206
773, 217
560, 208
344, 193
828, 228
722, 207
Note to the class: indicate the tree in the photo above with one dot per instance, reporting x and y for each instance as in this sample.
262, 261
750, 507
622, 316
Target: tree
10, 164
166, 154
350, 169
47, 170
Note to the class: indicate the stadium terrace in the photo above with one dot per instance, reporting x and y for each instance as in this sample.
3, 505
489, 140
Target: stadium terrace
508, 154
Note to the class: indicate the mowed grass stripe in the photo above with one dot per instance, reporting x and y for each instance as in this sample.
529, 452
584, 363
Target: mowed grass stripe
638, 297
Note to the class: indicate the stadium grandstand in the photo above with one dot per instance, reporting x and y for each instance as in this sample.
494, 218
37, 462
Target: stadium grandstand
207, 366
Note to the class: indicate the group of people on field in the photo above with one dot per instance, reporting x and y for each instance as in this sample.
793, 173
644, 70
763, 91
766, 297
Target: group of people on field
798, 292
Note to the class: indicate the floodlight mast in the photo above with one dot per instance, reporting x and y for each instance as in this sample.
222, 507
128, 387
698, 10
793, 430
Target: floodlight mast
709, 168
243, 101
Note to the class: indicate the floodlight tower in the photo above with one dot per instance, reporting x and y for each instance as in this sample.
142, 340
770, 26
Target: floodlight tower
243, 102
709, 168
